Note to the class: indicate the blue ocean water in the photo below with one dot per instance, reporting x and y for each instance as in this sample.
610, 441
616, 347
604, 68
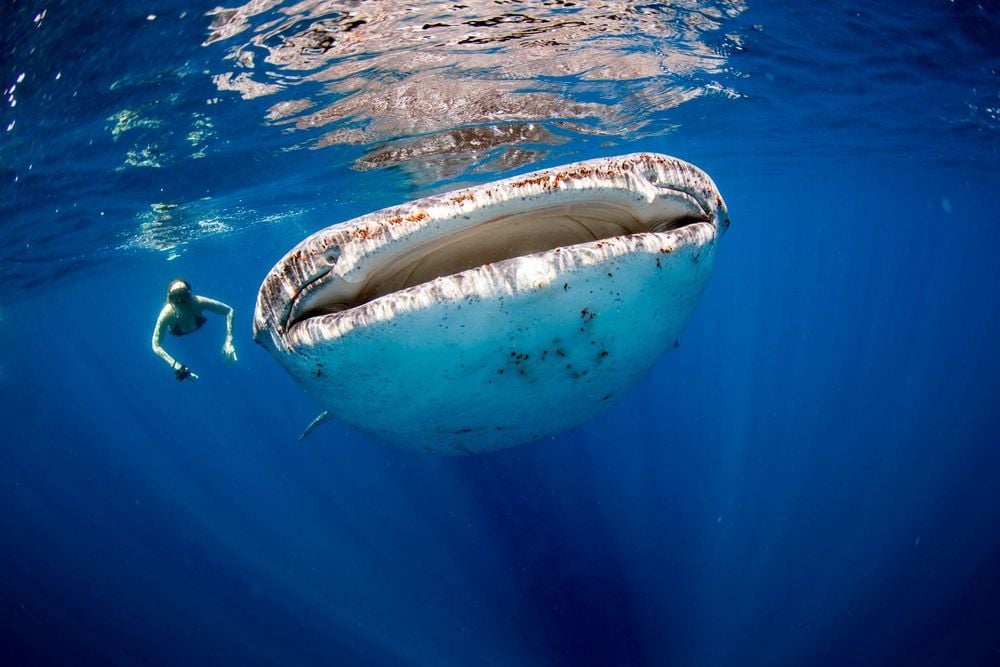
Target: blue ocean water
811, 477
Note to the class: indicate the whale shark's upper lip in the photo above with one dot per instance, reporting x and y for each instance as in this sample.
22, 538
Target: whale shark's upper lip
550, 215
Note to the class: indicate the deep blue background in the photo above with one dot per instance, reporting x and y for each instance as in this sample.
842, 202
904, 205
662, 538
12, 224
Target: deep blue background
810, 478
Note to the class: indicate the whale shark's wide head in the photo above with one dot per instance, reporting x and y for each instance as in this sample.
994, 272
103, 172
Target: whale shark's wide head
482, 318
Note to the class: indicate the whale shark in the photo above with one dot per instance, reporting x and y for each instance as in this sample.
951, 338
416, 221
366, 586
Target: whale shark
489, 316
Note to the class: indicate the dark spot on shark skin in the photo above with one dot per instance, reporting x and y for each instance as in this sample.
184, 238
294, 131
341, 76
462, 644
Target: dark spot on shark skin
658, 265
565, 286
606, 397
677, 343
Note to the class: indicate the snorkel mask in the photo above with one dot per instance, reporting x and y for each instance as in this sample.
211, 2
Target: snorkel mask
179, 292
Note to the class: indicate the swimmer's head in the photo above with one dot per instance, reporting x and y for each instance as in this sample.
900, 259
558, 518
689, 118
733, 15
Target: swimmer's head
178, 291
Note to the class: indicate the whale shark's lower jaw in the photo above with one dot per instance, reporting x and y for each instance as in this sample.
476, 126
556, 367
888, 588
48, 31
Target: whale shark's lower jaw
484, 317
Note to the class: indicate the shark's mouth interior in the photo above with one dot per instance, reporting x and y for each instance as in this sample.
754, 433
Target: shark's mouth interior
499, 238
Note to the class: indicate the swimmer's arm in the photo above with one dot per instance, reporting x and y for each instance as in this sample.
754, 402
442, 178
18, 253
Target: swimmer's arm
222, 309
161, 327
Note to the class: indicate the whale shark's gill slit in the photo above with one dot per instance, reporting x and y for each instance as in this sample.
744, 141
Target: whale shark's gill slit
593, 235
493, 241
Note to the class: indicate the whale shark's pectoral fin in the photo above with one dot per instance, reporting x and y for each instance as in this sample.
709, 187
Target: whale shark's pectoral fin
322, 417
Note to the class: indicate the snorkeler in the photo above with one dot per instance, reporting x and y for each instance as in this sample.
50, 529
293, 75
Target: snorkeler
183, 314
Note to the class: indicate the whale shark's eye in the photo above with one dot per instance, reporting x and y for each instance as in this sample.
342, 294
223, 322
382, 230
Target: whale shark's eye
332, 254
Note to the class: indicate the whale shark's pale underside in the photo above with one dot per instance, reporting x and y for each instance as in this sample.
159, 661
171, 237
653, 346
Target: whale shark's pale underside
485, 317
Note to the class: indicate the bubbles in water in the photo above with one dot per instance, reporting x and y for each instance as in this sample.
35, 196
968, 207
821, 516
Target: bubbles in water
169, 227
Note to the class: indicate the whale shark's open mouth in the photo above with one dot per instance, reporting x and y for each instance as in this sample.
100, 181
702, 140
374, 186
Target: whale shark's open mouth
505, 224
497, 239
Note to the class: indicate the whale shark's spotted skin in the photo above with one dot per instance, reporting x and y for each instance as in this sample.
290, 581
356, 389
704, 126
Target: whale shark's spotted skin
486, 317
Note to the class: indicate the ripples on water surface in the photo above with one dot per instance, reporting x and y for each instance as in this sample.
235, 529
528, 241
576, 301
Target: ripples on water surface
447, 87
141, 131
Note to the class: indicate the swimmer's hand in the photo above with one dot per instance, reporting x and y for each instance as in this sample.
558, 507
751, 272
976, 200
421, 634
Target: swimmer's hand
228, 351
182, 372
